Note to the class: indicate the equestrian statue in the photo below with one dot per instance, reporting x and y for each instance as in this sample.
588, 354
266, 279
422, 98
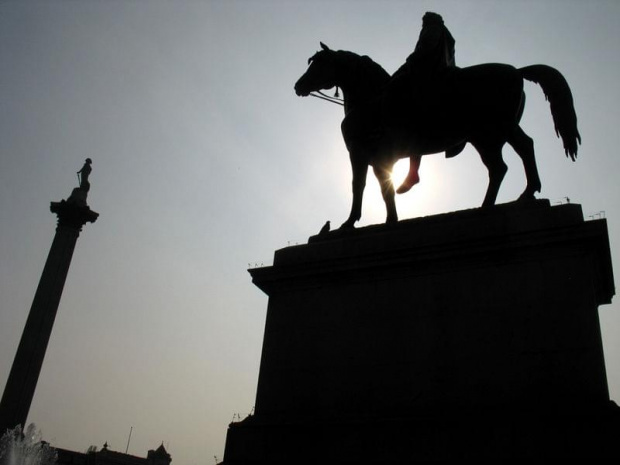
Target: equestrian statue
431, 106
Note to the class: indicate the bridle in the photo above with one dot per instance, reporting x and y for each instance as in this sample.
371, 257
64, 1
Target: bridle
318, 94
335, 99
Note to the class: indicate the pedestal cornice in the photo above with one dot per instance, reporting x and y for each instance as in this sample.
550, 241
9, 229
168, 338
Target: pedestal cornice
511, 231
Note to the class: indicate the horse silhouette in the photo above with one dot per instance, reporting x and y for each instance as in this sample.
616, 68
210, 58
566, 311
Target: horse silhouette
387, 119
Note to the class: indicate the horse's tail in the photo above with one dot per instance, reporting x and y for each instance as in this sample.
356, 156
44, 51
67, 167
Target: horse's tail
560, 99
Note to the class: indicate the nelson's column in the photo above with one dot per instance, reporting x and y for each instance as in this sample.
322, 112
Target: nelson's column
72, 214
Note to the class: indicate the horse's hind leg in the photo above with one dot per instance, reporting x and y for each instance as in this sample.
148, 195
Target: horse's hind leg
384, 175
524, 146
491, 155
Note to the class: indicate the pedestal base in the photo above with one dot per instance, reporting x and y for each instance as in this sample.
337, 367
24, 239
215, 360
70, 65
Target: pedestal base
472, 331
465, 436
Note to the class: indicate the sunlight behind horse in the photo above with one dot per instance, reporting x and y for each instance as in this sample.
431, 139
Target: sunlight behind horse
400, 171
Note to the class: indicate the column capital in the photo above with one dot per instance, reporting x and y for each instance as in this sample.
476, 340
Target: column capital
73, 215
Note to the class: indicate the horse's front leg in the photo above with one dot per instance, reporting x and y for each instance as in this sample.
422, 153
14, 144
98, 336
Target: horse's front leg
384, 175
360, 170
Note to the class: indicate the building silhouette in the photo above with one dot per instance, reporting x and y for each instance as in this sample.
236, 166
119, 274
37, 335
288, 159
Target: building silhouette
106, 456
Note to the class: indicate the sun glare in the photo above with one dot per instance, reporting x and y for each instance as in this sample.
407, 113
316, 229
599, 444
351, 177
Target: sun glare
401, 168
423, 199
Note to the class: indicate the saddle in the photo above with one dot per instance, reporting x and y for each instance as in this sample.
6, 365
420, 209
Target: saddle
423, 89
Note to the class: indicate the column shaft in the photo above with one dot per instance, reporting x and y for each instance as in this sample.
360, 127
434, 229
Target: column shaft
28, 361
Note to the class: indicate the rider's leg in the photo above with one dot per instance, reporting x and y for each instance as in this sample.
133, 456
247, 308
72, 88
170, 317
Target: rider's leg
413, 177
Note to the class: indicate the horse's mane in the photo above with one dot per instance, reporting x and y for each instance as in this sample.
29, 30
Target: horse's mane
364, 64
367, 66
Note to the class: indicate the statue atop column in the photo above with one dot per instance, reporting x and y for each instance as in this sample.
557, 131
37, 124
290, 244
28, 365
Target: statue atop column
74, 211
84, 173
79, 194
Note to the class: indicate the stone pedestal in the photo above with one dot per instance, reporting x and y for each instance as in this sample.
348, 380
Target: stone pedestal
28, 361
470, 334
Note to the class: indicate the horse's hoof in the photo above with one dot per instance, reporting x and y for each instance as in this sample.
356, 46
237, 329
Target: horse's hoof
347, 226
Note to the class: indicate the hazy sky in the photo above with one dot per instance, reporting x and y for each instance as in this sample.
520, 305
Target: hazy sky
205, 161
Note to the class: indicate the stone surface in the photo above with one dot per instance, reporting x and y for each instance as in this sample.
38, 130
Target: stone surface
24, 374
389, 336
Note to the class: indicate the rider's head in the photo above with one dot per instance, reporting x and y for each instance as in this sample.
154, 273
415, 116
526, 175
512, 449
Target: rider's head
89, 161
432, 19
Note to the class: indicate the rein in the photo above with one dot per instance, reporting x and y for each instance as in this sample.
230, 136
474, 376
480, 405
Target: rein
322, 96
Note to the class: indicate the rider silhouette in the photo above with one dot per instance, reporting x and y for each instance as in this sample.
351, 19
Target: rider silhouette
434, 51
432, 56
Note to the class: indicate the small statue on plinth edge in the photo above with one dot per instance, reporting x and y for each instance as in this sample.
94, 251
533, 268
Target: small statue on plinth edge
79, 194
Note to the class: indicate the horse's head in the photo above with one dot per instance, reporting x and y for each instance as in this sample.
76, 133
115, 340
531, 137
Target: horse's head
321, 73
